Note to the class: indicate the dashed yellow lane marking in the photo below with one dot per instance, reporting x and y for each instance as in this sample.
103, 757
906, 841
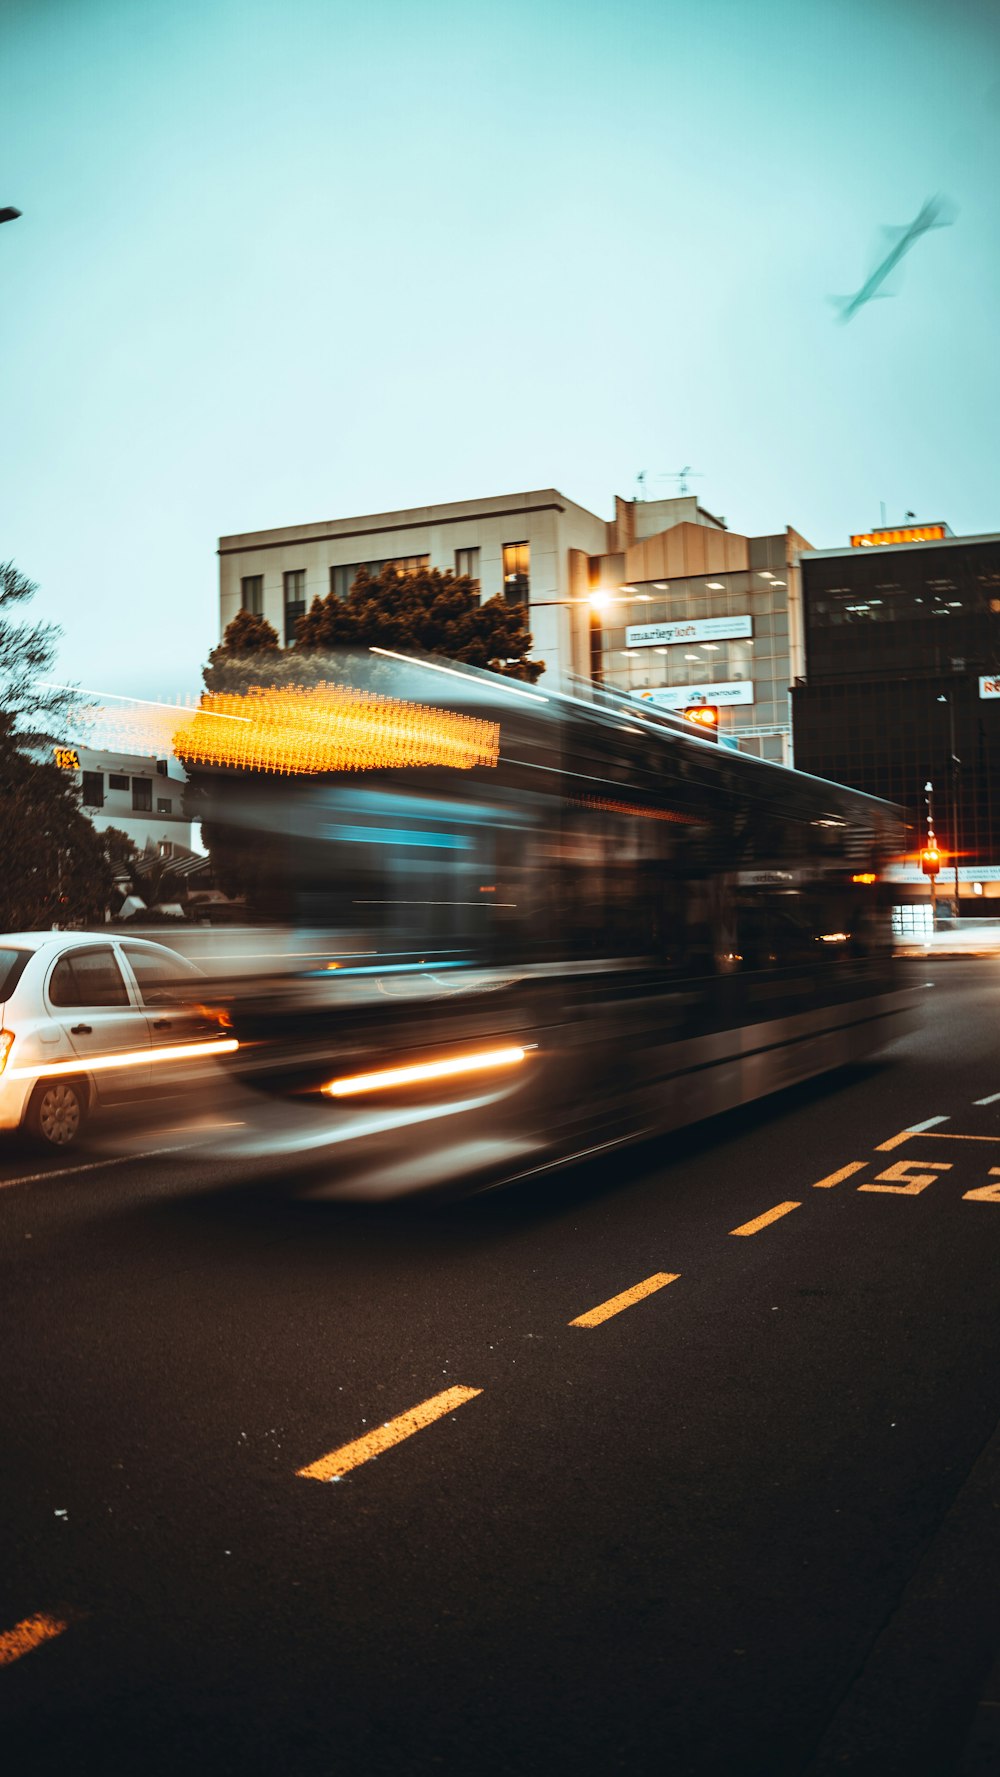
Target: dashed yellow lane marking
764, 1221
394, 1431
27, 1635
837, 1178
615, 1304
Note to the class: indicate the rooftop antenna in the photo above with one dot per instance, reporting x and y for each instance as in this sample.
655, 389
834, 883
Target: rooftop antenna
641, 484
683, 476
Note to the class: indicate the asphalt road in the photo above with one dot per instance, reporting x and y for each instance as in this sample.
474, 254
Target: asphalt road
747, 1523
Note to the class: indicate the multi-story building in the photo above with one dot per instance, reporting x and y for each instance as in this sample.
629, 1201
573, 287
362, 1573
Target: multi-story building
142, 796
902, 686
660, 600
516, 545
695, 613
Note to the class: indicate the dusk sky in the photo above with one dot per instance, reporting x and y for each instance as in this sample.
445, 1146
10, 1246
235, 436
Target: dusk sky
282, 263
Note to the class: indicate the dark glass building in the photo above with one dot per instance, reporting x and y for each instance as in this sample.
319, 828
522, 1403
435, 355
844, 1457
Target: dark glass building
902, 686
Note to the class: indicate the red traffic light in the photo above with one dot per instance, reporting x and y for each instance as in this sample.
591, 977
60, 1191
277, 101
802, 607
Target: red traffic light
930, 860
705, 716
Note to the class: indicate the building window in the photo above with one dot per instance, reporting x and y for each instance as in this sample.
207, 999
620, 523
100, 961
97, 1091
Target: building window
516, 572
467, 562
295, 601
142, 795
342, 577
117, 781
252, 594
164, 805
93, 789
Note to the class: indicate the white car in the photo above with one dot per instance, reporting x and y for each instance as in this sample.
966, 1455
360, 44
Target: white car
90, 1020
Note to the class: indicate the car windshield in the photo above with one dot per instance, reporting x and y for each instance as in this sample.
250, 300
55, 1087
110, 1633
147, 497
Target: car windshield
11, 964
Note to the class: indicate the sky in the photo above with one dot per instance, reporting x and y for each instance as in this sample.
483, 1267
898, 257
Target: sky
285, 263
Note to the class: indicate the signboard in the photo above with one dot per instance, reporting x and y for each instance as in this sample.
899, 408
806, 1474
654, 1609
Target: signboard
67, 758
989, 687
907, 533
693, 629
966, 872
770, 878
914, 533
677, 697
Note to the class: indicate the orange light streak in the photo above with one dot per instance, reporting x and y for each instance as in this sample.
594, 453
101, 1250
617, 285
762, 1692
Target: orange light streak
27, 1635
91, 1064
303, 730
422, 1071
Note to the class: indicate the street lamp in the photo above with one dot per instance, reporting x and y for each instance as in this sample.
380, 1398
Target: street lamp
596, 602
929, 853
946, 697
9, 214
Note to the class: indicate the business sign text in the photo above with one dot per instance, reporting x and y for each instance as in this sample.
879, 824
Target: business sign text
677, 697
694, 629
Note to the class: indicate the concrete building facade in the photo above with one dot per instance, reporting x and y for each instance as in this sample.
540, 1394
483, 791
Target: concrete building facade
695, 613
518, 546
596, 590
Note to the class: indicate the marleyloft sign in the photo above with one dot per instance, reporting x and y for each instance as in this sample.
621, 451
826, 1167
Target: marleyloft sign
694, 629
677, 697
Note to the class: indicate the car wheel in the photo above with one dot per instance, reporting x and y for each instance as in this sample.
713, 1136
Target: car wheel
57, 1112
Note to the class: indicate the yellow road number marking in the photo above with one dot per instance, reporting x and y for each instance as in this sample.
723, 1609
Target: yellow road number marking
28, 1634
764, 1221
615, 1304
902, 1178
341, 1461
986, 1193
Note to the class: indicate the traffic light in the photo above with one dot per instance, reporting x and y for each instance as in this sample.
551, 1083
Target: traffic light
930, 860
706, 717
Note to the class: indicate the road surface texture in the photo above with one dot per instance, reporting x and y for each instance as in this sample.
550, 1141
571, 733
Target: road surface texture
685, 1462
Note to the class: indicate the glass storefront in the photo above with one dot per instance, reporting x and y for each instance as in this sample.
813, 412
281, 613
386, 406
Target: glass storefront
750, 599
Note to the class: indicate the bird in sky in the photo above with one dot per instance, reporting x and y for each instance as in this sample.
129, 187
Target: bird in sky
936, 212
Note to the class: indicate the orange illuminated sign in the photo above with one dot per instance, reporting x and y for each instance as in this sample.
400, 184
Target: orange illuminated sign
914, 533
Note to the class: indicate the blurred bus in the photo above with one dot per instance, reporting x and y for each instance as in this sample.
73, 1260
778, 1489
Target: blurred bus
541, 925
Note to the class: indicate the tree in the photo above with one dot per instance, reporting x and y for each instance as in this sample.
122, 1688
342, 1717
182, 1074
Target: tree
419, 612
248, 650
27, 651
55, 871
423, 612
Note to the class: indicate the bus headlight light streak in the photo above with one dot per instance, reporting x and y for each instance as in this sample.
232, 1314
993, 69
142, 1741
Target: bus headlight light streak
420, 1072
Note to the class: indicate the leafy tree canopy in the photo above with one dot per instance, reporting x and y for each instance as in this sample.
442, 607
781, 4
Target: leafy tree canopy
55, 870
27, 653
419, 612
